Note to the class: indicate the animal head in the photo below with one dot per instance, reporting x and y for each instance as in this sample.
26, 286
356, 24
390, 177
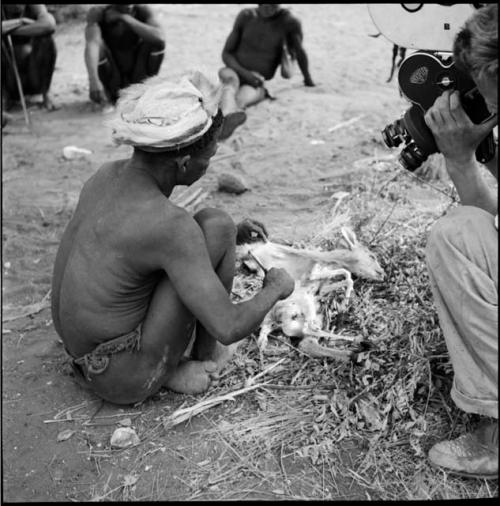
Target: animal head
361, 261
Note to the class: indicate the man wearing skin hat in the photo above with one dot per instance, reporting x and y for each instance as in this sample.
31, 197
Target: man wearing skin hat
136, 277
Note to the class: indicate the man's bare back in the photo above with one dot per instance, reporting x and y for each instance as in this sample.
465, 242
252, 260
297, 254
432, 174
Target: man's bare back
135, 275
105, 253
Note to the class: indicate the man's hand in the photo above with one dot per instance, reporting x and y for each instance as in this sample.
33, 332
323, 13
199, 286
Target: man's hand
309, 82
250, 231
97, 93
255, 79
457, 137
280, 279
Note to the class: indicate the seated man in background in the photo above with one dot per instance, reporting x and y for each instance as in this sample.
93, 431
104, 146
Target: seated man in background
124, 45
259, 42
462, 255
31, 29
137, 278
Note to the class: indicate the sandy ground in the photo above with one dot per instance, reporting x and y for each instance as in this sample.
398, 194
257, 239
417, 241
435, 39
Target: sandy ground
286, 154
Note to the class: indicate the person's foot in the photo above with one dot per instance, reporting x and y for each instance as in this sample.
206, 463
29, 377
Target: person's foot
49, 104
5, 118
473, 455
231, 122
192, 377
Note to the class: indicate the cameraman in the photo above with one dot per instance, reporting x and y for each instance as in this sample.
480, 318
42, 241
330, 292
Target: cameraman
462, 255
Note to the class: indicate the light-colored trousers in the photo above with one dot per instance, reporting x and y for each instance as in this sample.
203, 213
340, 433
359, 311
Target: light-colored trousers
462, 258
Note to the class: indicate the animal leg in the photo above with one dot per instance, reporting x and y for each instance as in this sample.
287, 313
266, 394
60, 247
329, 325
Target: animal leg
311, 346
265, 330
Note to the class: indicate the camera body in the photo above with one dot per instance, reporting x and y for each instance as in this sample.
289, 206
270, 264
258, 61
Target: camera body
423, 76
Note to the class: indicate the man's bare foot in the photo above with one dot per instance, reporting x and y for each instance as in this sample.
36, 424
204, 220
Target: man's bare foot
49, 104
231, 122
192, 377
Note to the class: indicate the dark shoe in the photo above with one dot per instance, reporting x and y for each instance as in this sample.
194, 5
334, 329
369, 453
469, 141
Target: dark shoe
473, 455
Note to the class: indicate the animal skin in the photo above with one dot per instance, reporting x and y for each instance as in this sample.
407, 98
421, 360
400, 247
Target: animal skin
315, 273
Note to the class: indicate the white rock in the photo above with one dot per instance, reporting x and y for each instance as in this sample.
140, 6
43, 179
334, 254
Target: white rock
123, 437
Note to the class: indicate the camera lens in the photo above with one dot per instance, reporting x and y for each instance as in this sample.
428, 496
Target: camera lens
412, 157
394, 134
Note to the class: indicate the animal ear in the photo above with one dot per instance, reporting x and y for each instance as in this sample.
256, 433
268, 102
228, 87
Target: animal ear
349, 237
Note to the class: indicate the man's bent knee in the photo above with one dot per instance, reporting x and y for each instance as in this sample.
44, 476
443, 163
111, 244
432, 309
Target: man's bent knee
214, 221
462, 223
466, 229
229, 76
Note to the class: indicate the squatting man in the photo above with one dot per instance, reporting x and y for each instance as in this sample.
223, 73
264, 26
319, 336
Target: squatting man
137, 277
462, 254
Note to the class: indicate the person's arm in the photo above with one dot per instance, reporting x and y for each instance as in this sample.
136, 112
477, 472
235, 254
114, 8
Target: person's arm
457, 137
11, 25
93, 41
44, 24
294, 39
183, 254
492, 165
230, 48
149, 30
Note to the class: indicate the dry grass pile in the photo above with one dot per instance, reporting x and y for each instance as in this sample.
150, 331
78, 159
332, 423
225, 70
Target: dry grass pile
393, 399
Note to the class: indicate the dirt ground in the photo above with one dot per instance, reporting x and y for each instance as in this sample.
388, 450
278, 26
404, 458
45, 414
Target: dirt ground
291, 162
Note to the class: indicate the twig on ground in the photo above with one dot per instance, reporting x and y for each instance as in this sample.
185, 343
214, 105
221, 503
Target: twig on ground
30, 309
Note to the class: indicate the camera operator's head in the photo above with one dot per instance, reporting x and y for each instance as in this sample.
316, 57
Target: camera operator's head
475, 51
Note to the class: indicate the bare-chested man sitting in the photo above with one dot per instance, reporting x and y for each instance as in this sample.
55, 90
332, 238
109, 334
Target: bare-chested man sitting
30, 28
252, 53
134, 273
124, 45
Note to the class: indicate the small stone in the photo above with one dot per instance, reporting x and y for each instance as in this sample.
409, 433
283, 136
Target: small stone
231, 184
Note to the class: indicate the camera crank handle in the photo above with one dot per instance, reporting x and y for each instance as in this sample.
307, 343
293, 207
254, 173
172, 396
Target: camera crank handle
486, 149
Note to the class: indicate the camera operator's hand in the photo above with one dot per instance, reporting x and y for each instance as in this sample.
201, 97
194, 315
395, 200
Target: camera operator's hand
457, 137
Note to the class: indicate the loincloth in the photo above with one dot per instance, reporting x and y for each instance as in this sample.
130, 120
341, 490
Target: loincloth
97, 361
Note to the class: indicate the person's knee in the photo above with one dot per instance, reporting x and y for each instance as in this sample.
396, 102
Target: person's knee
216, 223
462, 224
158, 46
229, 77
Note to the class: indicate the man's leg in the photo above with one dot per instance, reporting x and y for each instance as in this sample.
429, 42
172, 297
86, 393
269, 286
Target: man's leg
166, 332
220, 236
148, 60
233, 112
40, 67
109, 74
462, 257
10, 90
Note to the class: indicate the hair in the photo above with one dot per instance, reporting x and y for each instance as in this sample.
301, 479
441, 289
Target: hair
206, 139
475, 49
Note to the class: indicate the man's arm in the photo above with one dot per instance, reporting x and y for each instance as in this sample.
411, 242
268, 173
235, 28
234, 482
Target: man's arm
149, 30
294, 39
231, 46
183, 255
11, 25
44, 24
93, 41
457, 137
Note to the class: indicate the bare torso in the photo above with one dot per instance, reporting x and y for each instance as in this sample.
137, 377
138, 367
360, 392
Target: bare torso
120, 39
104, 272
261, 42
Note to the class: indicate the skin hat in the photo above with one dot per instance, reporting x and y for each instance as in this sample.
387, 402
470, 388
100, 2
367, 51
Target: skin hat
160, 114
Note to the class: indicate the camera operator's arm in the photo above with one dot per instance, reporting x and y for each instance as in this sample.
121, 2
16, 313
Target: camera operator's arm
457, 138
492, 165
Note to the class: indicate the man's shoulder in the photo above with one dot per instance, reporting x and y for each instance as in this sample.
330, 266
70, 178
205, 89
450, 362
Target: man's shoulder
247, 13
96, 14
142, 12
289, 20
